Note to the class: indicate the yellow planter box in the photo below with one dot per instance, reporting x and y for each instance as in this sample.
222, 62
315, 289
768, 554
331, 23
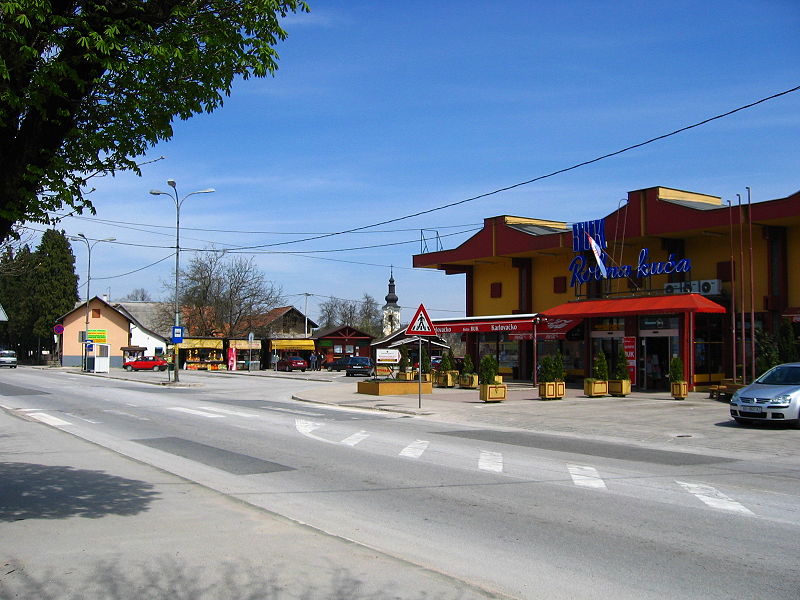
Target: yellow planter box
679, 389
405, 376
552, 390
392, 388
493, 393
619, 387
468, 381
596, 388
445, 379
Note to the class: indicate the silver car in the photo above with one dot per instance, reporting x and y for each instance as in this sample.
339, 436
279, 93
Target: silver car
8, 358
773, 397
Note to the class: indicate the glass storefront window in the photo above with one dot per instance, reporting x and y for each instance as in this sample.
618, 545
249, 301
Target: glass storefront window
608, 324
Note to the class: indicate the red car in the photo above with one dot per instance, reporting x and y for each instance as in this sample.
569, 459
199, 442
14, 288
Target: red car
146, 363
292, 362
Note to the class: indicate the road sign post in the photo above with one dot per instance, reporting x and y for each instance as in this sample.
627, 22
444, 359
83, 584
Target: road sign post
421, 325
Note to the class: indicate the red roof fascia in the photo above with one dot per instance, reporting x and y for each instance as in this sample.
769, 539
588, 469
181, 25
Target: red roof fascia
648, 305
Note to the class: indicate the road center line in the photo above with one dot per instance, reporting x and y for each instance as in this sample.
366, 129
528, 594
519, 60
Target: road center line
586, 477
415, 449
490, 461
227, 411
713, 497
198, 413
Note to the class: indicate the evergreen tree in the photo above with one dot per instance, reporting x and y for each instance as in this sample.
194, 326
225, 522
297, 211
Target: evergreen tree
55, 285
17, 300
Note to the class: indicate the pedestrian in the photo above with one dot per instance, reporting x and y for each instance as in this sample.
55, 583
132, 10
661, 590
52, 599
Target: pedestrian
320, 360
312, 362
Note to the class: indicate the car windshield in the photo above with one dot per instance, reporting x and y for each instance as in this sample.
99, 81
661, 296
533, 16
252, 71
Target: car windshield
7, 353
783, 375
359, 361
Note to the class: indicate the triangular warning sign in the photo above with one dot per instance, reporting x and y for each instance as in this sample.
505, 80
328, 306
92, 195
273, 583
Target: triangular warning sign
421, 323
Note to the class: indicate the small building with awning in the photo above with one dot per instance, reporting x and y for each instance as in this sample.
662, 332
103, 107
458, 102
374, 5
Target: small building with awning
343, 340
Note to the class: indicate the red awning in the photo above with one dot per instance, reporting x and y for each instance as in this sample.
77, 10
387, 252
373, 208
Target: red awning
502, 325
648, 305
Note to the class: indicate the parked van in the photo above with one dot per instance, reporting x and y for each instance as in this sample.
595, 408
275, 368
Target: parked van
8, 358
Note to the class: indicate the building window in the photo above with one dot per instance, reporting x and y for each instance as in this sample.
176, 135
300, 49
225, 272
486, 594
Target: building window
559, 285
496, 290
95, 313
724, 270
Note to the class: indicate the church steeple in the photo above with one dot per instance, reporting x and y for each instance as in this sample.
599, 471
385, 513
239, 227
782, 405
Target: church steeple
391, 310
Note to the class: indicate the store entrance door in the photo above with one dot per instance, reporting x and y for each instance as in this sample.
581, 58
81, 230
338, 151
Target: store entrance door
657, 350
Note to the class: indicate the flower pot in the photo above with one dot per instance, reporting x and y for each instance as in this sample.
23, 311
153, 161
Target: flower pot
403, 376
469, 381
619, 387
679, 389
551, 390
445, 379
595, 388
493, 393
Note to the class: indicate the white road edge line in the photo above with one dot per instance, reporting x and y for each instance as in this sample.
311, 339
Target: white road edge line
490, 461
84, 419
415, 449
49, 419
307, 428
586, 476
713, 497
227, 411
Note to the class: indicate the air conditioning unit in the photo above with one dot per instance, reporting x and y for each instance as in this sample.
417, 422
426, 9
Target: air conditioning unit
674, 288
711, 287
691, 287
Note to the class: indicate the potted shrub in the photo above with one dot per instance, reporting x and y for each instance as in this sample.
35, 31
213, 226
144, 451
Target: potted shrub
678, 385
597, 384
551, 377
468, 379
403, 373
490, 390
425, 365
620, 383
444, 378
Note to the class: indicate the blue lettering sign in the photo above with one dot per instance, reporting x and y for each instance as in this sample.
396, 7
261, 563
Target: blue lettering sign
596, 229
583, 272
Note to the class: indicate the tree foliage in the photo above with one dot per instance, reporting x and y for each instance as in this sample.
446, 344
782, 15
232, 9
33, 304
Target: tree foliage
222, 296
36, 288
137, 295
87, 85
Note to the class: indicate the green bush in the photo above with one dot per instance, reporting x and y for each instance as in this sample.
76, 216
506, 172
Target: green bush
600, 367
447, 362
488, 370
552, 368
676, 370
403, 366
425, 363
469, 368
621, 368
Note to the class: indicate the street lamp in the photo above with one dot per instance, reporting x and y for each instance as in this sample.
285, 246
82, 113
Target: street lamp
89, 245
178, 204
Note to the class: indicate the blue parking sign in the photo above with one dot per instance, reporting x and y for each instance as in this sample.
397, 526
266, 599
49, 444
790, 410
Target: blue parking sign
177, 334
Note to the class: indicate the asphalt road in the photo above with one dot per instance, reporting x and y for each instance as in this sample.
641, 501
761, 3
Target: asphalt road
517, 513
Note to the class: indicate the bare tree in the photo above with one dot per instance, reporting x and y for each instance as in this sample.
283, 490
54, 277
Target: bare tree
225, 296
361, 314
370, 318
137, 295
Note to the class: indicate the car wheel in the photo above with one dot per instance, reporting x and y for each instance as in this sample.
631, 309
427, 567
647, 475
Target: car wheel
303, 370
288, 369
741, 421
156, 368
129, 368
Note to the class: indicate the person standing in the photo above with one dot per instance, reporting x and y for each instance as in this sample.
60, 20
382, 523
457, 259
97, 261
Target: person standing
312, 362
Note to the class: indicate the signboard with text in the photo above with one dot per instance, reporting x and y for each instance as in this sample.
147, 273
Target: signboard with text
96, 335
629, 344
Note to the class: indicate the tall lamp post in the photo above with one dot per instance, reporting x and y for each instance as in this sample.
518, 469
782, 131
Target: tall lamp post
89, 245
178, 203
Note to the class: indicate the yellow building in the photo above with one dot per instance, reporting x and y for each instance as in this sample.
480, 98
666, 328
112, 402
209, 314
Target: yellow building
679, 274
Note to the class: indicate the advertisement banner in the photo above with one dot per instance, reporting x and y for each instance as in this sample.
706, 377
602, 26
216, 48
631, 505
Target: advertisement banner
629, 344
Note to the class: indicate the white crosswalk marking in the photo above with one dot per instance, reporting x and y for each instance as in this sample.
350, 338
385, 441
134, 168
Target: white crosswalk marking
198, 413
586, 477
227, 411
415, 449
356, 438
713, 497
49, 419
490, 461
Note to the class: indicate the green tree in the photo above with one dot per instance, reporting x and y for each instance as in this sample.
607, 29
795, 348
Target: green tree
600, 367
86, 86
17, 300
55, 284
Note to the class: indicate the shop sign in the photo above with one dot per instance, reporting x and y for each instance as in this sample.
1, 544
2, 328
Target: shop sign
629, 345
583, 272
96, 335
501, 327
387, 356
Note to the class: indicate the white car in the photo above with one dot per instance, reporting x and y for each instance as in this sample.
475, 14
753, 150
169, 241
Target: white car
8, 358
773, 397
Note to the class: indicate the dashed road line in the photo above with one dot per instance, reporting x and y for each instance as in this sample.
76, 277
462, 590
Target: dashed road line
234, 413
93, 422
415, 449
490, 461
714, 498
586, 476
198, 413
124, 414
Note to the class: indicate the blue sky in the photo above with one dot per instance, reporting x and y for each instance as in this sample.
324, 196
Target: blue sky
383, 109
